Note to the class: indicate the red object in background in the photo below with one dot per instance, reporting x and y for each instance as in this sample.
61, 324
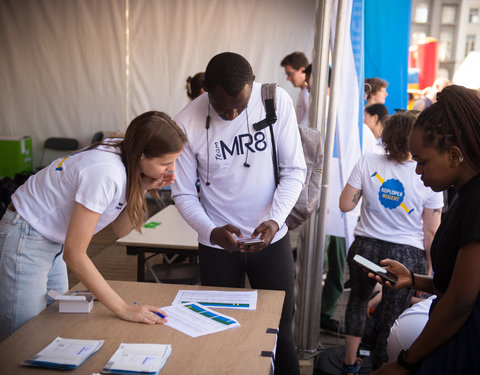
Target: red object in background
412, 56
427, 62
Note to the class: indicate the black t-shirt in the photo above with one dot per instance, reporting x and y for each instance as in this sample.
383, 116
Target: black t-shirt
460, 225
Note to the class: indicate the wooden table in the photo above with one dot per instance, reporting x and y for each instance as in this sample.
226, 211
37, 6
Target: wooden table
172, 236
235, 351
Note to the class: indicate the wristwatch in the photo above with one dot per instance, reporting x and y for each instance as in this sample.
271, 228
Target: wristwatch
412, 367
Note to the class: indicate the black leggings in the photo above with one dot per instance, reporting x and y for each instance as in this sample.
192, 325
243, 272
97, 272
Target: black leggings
393, 303
271, 268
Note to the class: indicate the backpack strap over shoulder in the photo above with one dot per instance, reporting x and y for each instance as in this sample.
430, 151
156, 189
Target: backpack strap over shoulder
268, 92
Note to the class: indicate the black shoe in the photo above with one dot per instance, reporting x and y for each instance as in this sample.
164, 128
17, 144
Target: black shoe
347, 286
332, 326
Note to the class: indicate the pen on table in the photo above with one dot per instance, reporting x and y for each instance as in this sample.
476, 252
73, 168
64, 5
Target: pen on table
156, 313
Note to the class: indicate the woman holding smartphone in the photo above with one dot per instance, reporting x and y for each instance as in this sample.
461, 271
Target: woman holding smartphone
398, 218
445, 143
54, 215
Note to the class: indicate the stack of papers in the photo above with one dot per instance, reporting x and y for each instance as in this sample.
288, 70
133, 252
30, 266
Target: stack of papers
138, 359
64, 354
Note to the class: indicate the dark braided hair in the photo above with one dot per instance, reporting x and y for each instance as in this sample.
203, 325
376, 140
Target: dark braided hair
229, 70
453, 120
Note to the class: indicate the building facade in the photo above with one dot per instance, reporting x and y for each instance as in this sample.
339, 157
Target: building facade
454, 23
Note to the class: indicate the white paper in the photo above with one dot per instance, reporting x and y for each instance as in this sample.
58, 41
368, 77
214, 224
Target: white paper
65, 352
63, 297
219, 299
138, 358
196, 320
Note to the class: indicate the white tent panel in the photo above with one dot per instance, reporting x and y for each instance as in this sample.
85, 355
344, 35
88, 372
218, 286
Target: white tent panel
62, 68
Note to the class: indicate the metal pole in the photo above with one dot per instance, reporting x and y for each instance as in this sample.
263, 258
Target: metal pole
328, 151
306, 337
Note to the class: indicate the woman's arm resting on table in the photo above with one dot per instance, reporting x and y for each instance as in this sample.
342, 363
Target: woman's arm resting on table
79, 234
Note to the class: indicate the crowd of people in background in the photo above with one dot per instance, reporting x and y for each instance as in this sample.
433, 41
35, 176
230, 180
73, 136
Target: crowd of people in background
408, 159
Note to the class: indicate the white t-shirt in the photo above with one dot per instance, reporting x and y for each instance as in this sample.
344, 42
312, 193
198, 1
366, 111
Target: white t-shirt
370, 143
237, 195
301, 109
393, 200
96, 179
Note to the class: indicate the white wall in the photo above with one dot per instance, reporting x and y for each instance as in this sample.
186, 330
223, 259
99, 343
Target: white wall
64, 63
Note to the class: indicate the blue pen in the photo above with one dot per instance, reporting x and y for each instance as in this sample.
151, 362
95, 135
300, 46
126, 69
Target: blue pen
156, 313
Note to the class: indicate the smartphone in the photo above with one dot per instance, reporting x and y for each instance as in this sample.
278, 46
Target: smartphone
249, 241
376, 269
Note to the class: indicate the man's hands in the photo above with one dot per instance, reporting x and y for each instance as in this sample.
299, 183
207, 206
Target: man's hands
223, 236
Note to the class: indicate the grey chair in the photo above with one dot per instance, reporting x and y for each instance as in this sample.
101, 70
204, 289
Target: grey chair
57, 144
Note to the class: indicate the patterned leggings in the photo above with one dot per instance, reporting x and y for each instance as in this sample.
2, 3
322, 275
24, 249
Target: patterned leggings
393, 303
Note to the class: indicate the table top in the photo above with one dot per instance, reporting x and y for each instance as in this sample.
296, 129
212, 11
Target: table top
172, 232
234, 351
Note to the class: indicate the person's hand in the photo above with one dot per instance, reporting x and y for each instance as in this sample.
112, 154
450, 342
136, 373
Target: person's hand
222, 236
403, 274
391, 368
267, 231
150, 183
251, 248
144, 314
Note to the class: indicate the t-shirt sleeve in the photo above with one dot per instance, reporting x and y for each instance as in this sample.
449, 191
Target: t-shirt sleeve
435, 200
355, 179
96, 186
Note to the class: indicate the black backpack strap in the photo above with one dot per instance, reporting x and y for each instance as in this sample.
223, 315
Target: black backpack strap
269, 91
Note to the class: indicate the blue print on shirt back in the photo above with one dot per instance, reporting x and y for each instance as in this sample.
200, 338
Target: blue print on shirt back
391, 193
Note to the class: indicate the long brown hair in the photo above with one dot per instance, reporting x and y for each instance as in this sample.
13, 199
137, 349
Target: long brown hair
152, 134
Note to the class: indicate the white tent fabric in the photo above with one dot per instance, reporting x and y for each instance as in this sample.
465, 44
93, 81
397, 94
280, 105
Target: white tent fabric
468, 73
72, 68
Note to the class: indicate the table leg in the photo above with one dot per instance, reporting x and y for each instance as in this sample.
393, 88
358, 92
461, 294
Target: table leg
140, 265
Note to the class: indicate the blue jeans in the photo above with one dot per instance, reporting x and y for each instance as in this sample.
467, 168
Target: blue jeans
30, 265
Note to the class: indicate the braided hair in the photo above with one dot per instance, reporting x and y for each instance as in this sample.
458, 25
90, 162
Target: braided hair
453, 120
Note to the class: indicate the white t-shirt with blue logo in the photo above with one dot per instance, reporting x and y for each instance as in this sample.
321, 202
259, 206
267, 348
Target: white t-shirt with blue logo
96, 179
393, 199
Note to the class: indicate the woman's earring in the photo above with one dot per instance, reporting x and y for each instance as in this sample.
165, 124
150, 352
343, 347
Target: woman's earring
460, 159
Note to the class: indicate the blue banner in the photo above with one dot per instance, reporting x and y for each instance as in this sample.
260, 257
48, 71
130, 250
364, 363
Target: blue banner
387, 38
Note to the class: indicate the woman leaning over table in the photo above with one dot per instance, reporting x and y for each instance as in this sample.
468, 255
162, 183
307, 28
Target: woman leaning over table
54, 215
445, 142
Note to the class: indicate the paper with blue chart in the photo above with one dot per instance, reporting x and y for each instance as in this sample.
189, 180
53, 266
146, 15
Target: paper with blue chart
217, 299
196, 320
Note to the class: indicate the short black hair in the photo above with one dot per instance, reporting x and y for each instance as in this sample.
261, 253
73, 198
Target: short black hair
378, 109
229, 70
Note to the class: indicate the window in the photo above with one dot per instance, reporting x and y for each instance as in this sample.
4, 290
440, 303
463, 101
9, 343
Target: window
417, 37
445, 46
421, 13
448, 14
473, 15
469, 43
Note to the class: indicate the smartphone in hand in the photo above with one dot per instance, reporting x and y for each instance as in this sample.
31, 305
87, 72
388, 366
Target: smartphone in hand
249, 241
375, 269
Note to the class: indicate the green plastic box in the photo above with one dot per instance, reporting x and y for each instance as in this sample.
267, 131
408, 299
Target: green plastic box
15, 155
